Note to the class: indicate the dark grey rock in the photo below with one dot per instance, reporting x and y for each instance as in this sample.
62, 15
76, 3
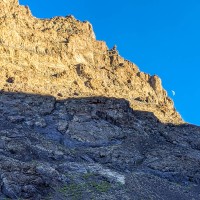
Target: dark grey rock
93, 148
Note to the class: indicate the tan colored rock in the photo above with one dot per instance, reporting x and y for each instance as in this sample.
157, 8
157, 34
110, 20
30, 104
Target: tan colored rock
62, 58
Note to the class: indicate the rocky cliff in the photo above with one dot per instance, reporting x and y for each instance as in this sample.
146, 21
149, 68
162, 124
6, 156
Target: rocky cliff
77, 121
62, 58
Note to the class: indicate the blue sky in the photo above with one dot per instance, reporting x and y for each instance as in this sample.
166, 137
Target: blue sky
160, 36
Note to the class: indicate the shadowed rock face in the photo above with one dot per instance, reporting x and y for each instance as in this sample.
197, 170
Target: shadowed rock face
78, 121
62, 58
97, 147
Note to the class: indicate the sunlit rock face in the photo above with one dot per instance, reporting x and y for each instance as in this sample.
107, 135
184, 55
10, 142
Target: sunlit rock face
78, 121
61, 57
9, 3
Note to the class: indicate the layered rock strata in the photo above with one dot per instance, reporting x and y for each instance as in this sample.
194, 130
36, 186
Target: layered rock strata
62, 58
93, 148
77, 121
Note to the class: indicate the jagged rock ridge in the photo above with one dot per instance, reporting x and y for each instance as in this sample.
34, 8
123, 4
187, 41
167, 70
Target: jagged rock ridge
80, 142
62, 58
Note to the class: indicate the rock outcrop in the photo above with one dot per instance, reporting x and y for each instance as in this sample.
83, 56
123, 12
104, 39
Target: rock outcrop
93, 148
62, 58
78, 121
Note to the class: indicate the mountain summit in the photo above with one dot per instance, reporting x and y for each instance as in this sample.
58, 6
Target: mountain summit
78, 121
62, 58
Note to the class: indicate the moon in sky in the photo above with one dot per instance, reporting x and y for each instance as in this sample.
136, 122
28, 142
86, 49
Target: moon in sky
173, 92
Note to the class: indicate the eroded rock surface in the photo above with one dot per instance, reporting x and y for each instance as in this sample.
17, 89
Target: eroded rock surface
93, 148
62, 58
78, 121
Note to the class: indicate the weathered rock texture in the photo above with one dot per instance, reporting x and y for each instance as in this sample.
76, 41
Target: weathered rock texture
62, 58
77, 121
93, 148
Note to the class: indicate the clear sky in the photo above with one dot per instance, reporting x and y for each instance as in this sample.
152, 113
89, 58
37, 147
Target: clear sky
160, 36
